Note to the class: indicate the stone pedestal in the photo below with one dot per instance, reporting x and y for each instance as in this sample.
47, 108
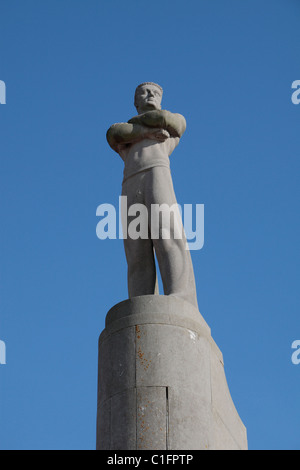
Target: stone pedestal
161, 382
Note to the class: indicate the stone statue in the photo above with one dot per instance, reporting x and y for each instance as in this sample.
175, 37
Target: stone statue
145, 144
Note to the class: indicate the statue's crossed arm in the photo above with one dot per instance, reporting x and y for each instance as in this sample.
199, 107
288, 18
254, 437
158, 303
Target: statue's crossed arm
157, 125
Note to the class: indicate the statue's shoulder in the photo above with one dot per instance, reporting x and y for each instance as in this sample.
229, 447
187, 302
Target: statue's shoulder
175, 123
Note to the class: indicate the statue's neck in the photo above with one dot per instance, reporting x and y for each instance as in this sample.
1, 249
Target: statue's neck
146, 108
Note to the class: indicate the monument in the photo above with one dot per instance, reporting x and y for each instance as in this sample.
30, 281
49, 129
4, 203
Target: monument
161, 380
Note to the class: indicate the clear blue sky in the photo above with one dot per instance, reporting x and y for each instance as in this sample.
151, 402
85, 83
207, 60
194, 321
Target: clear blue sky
71, 67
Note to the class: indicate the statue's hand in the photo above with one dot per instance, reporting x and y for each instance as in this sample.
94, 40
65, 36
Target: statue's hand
159, 134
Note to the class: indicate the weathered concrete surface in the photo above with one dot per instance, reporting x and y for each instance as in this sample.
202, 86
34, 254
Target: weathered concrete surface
162, 384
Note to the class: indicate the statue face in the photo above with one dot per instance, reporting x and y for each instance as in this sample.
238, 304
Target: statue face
148, 97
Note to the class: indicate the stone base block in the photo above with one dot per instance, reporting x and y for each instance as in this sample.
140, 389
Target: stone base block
161, 382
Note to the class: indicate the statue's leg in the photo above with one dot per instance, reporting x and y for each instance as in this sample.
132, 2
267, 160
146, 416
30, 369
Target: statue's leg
141, 267
142, 279
171, 248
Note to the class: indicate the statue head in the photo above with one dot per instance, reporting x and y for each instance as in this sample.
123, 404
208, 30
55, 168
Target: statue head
148, 96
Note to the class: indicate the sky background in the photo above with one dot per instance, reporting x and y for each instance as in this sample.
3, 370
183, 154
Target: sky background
71, 68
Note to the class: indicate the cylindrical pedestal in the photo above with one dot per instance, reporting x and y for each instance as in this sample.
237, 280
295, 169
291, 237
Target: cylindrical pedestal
161, 383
